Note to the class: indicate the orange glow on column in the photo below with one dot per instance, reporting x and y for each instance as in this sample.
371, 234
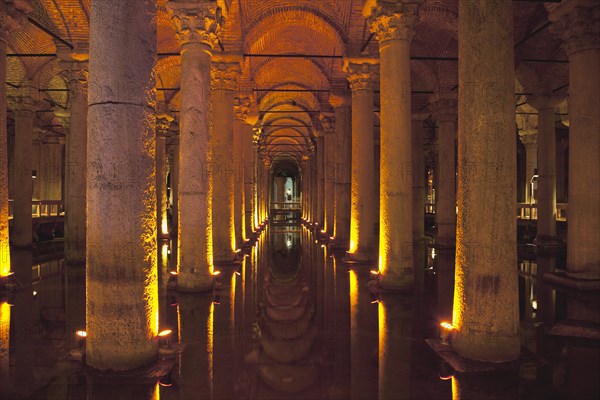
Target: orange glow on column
4, 259
4, 341
164, 226
459, 295
382, 334
353, 300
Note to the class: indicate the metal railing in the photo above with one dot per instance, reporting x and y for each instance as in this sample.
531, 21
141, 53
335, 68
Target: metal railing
526, 211
284, 205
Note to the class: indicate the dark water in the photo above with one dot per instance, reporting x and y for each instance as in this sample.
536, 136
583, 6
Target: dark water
293, 321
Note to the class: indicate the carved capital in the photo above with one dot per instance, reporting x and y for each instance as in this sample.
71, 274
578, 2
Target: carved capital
63, 116
163, 124
544, 101
76, 73
340, 99
25, 100
196, 21
392, 20
328, 122
224, 75
241, 108
12, 15
444, 109
361, 74
529, 138
577, 23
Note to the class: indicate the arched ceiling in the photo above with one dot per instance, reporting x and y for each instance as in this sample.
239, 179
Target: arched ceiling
290, 91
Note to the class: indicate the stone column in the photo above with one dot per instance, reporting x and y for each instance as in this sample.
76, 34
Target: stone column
362, 238
23, 106
224, 74
75, 67
240, 112
341, 102
196, 26
279, 188
419, 177
486, 308
577, 24
546, 199
163, 123
320, 181
12, 18
529, 138
393, 24
329, 171
249, 166
174, 184
121, 187
445, 111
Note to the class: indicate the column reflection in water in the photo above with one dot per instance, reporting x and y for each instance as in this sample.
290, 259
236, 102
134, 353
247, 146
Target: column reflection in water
23, 323
195, 319
74, 303
287, 359
5, 311
363, 337
395, 357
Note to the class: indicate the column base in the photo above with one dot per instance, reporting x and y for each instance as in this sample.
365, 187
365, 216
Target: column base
341, 244
574, 280
190, 282
225, 258
486, 347
388, 283
548, 242
445, 244
361, 257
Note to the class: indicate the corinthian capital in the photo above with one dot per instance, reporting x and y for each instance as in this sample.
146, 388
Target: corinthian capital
392, 19
241, 107
577, 23
12, 15
196, 21
361, 73
225, 72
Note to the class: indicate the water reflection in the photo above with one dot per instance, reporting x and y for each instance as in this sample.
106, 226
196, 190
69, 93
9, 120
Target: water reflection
292, 321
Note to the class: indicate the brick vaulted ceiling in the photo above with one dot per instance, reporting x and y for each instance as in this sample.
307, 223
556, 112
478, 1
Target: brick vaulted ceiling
284, 27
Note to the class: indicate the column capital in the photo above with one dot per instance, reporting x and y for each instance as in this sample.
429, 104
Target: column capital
361, 72
225, 71
63, 116
528, 137
577, 23
392, 20
25, 99
544, 101
241, 107
14, 13
340, 99
163, 124
420, 116
328, 122
444, 109
196, 21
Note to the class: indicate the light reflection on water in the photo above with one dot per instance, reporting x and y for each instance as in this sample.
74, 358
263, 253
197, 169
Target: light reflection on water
290, 321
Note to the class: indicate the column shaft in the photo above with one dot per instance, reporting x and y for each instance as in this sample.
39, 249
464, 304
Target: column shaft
4, 239
248, 176
121, 202
343, 171
320, 161
238, 191
578, 25
161, 186
223, 76
23, 187
445, 208
546, 201
486, 310
362, 224
329, 181
76, 165
418, 176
